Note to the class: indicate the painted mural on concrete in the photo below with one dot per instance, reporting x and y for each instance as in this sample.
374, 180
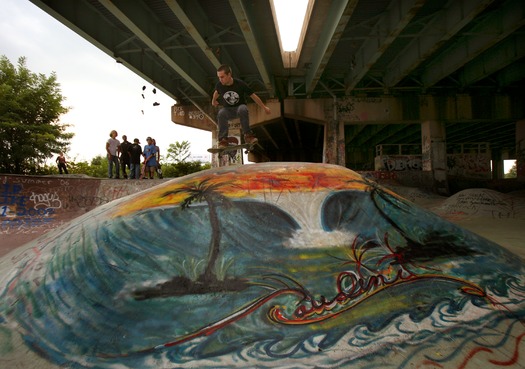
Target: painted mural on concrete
274, 265
33, 205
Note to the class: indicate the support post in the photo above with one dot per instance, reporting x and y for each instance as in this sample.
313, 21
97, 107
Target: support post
334, 143
434, 157
520, 149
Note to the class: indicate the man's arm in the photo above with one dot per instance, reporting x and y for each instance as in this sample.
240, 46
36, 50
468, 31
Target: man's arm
214, 101
259, 102
107, 149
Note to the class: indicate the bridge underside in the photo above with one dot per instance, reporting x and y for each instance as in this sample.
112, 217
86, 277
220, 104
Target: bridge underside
469, 53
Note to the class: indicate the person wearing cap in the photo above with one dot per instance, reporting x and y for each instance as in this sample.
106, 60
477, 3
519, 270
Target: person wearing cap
135, 155
150, 153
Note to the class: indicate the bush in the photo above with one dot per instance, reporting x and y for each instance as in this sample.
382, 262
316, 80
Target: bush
173, 170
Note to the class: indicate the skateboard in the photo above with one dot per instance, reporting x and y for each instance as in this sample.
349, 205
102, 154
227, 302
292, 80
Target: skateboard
144, 168
220, 151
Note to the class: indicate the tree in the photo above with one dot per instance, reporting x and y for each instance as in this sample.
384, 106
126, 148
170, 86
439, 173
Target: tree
30, 108
513, 172
179, 151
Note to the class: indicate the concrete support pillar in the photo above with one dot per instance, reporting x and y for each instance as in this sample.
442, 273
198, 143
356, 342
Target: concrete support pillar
498, 164
520, 149
334, 143
434, 158
214, 138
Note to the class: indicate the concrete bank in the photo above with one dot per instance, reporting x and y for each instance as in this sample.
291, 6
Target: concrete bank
33, 205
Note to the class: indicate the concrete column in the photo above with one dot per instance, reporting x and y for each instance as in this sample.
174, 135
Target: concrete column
330, 142
334, 143
498, 167
520, 149
434, 158
341, 147
214, 138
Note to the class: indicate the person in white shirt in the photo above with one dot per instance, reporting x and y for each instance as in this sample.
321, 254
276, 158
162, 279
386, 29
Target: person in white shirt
113, 150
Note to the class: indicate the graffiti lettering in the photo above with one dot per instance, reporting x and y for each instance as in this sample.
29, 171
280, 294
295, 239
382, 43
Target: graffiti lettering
345, 107
179, 111
88, 201
400, 163
12, 195
473, 165
354, 287
372, 100
46, 199
349, 286
24, 180
377, 175
195, 114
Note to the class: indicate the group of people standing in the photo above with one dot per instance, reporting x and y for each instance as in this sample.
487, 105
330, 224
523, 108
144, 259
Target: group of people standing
126, 154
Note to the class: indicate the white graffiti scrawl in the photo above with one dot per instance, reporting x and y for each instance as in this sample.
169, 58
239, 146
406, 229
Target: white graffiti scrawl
46, 200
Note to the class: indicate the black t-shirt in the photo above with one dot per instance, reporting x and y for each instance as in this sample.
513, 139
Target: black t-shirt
233, 95
124, 148
136, 152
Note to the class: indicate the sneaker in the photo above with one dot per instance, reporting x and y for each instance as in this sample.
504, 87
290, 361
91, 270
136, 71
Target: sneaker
223, 143
250, 138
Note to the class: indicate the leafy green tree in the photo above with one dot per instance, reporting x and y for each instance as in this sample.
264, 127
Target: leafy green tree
97, 168
30, 108
178, 152
513, 172
181, 169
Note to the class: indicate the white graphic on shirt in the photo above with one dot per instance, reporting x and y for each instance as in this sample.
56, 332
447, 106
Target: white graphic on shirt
231, 97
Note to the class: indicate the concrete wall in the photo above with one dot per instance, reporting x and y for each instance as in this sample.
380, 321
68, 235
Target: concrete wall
33, 205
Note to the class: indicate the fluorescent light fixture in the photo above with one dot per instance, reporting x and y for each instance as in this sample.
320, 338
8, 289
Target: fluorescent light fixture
291, 20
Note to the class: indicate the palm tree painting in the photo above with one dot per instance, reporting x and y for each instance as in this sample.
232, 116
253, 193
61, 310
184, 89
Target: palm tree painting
207, 192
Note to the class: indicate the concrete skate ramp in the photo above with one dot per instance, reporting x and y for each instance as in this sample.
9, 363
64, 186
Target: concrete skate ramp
274, 265
33, 205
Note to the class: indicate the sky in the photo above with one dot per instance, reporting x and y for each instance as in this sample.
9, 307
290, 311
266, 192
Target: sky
102, 95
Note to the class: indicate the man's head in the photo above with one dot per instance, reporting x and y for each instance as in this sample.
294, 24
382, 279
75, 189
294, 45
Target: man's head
113, 134
224, 73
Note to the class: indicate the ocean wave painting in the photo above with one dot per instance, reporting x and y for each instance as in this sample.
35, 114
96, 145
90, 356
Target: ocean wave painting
274, 265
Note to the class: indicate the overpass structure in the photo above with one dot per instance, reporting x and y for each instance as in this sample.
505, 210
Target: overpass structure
439, 77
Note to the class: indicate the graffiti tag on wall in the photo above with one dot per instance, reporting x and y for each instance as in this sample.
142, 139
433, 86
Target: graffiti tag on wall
31, 206
398, 163
469, 165
22, 212
483, 202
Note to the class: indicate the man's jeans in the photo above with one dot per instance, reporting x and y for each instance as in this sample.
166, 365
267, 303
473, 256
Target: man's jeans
228, 113
134, 171
113, 159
